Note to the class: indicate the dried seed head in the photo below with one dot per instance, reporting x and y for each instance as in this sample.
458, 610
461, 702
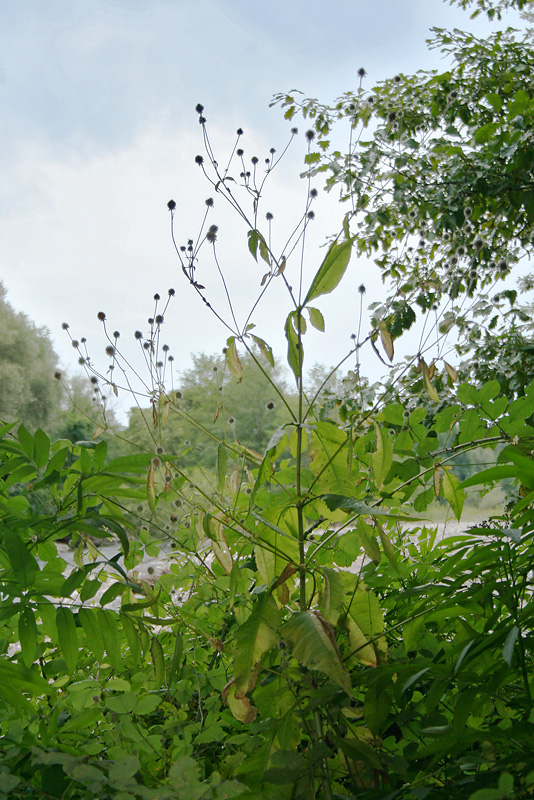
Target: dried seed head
240, 131
268, 216
101, 316
199, 160
156, 462
171, 205
110, 350
209, 202
65, 325
294, 131
138, 335
310, 135
159, 319
116, 334
171, 292
270, 405
199, 108
57, 375
362, 289
362, 73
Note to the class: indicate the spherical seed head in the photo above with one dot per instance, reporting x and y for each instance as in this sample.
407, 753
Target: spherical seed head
171, 358
94, 379
240, 152
240, 131
313, 193
231, 421
268, 216
199, 160
159, 451
116, 334
294, 131
171, 292
199, 108
159, 319
362, 73
202, 120
75, 343
156, 462
270, 405
397, 78
362, 289
65, 325
101, 316
157, 297
272, 151
392, 116
81, 361
146, 345
209, 202
311, 214
178, 395
138, 335
479, 244
171, 205
310, 135
165, 348
57, 375
83, 340
110, 350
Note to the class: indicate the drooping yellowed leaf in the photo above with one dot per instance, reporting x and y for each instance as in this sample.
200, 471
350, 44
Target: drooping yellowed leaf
360, 647
232, 359
253, 639
451, 372
438, 477
387, 340
429, 387
333, 596
241, 707
313, 644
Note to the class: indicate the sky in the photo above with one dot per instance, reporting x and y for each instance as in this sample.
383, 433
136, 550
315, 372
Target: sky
98, 131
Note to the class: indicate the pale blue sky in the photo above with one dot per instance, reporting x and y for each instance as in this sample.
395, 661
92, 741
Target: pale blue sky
98, 131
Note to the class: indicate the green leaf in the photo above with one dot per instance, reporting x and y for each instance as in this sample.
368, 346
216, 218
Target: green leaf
23, 564
335, 501
132, 637
313, 644
333, 597
253, 240
158, 661
316, 319
495, 100
107, 621
177, 657
89, 622
253, 639
42, 448
509, 644
490, 476
382, 458
28, 636
26, 440
331, 270
453, 493
295, 352
68, 637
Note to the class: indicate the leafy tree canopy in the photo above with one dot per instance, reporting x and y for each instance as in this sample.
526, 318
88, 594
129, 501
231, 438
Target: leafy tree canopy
28, 391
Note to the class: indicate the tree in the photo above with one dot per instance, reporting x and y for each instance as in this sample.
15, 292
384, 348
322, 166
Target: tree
438, 183
211, 399
28, 390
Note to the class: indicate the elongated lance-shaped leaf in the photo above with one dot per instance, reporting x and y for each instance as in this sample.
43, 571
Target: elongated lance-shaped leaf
453, 493
387, 340
265, 349
107, 621
24, 565
382, 458
429, 386
94, 642
253, 639
295, 353
68, 637
331, 270
360, 648
313, 644
28, 636
333, 596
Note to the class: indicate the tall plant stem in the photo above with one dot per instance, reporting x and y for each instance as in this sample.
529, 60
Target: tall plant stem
326, 777
300, 504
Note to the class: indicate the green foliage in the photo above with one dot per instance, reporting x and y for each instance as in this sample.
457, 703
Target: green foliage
303, 633
28, 391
